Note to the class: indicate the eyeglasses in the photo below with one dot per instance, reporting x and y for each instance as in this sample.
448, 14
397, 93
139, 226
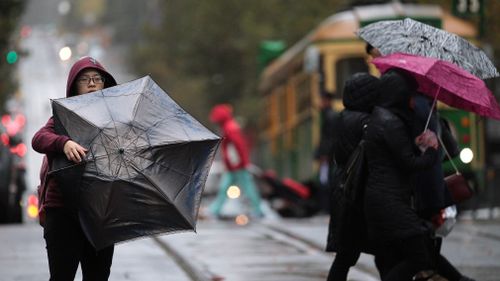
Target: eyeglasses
85, 80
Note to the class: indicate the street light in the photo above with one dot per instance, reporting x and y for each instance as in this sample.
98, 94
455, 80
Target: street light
65, 53
63, 8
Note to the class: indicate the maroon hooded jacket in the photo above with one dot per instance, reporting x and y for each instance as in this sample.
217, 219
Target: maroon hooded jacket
46, 140
222, 115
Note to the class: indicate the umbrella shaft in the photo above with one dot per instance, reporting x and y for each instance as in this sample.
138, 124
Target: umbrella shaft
432, 109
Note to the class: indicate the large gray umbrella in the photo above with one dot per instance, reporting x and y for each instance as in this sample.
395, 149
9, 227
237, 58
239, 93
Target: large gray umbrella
146, 165
416, 38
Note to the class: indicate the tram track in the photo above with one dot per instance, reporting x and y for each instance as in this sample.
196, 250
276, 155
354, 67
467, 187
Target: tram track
194, 271
200, 265
313, 245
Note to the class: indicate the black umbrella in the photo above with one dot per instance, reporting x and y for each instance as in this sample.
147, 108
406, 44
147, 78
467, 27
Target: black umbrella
416, 38
146, 165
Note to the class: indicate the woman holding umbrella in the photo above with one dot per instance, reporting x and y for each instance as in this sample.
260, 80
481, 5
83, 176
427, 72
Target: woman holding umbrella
403, 238
67, 246
431, 195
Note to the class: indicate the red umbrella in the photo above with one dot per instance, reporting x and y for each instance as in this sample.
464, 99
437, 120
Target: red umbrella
445, 81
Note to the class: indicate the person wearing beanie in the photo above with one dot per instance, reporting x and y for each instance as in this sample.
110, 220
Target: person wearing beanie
346, 235
66, 244
236, 158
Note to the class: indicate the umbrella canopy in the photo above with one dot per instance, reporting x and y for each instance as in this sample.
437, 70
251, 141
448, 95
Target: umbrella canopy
413, 37
146, 165
444, 81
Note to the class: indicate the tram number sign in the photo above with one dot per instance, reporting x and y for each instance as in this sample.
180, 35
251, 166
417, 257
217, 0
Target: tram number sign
467, 7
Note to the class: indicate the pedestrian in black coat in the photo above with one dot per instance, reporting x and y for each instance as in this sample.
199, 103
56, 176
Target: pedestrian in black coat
324, 152
431, 194
346, 229
401, 236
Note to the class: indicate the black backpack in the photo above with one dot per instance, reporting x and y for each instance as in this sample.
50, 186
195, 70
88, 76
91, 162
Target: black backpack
352, 179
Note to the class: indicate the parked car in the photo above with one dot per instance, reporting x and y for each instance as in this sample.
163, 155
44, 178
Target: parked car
12, 169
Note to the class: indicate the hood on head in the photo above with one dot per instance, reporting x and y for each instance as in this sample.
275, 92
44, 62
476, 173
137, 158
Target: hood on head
221, 113
397, 86
361, 92
84, 63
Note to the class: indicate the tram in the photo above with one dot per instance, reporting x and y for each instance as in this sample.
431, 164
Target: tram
322, 61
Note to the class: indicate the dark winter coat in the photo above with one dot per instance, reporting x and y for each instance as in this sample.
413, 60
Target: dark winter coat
328, 130
391, 162
431, 194
360, 94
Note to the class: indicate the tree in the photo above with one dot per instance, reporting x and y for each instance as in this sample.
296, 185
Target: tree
10, 10
206, 51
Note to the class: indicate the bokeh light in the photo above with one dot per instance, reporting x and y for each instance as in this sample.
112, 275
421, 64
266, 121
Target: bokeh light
12, 57
466, 155
233, 192
241, 220
65, 53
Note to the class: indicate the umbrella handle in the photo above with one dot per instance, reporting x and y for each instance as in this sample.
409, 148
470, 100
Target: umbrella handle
439, 137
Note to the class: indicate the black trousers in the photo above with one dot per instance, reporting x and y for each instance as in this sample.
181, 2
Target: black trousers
401, 260
344, 259
67, 247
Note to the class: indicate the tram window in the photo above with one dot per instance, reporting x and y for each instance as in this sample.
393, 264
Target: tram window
267, 119
346, 68
282, 107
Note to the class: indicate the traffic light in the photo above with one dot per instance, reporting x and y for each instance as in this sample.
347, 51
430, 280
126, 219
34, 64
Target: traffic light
269, 50
12, 57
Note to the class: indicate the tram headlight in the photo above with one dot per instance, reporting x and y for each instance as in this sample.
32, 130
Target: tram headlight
466, 155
